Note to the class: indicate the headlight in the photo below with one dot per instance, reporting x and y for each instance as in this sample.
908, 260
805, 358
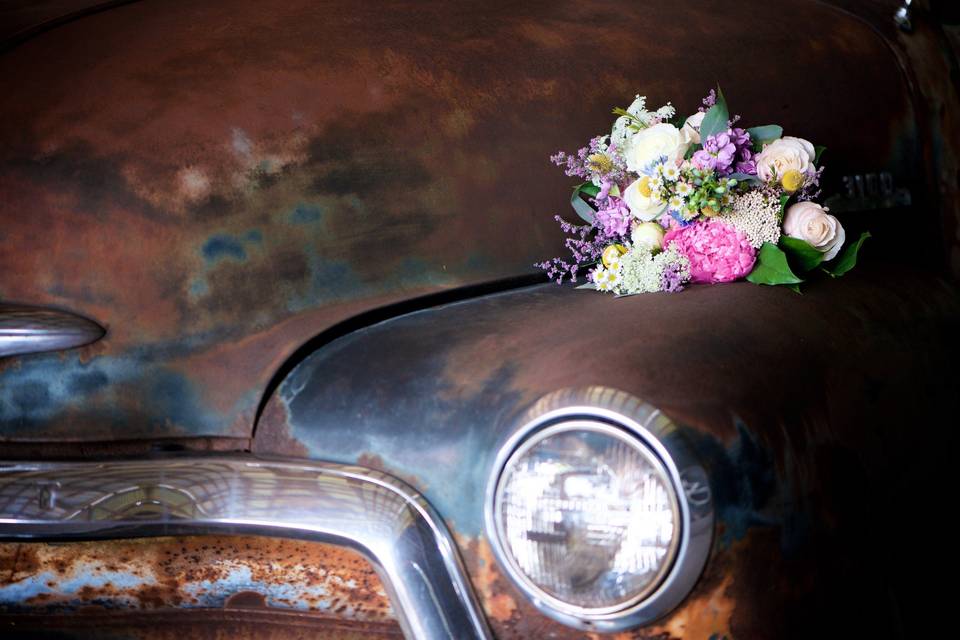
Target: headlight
590, 514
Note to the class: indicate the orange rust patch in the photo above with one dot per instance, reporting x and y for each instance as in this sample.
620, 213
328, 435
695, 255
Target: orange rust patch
705, 615
172, 572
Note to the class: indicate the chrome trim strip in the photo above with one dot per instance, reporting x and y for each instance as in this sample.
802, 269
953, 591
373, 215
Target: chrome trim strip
604, 406
26, 330
379, 516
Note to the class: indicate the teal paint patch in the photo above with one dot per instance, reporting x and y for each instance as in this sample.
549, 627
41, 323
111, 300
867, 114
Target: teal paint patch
199, 288
328, 280
223, 246
46, 386
306, 214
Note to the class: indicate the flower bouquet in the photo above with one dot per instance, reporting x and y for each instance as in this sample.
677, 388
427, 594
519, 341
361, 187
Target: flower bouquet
669, 202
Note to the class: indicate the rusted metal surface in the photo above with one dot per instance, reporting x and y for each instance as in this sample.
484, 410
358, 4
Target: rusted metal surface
801, 408
177, 624
218, 182
930, 58
209, 572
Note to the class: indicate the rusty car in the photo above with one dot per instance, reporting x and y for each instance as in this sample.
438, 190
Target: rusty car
275, 360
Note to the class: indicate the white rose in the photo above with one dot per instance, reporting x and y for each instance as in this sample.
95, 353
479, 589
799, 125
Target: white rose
810, 222
649, 145
691, 127
782, 155
642, 204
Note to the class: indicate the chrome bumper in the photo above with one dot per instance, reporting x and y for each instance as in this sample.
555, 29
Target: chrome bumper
374, 513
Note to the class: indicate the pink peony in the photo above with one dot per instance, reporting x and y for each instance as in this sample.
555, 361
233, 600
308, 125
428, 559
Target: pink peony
717, 252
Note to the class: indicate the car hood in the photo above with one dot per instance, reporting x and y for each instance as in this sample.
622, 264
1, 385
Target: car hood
218, 182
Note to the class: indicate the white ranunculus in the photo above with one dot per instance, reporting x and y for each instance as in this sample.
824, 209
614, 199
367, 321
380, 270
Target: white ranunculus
649, 145
648, 235
782, 155
691, 127
810, 222
643, 207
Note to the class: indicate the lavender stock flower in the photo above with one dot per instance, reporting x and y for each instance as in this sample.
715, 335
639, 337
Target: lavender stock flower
614, 218
726, 152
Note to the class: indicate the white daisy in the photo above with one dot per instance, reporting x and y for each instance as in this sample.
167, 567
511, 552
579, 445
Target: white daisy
657, 188
602, 279
675, 203
671, 173
684, 189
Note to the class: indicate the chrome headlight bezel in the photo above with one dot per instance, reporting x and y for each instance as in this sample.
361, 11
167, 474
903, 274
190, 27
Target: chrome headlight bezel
623, 416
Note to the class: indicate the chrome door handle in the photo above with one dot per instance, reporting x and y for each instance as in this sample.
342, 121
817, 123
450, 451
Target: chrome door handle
25, 329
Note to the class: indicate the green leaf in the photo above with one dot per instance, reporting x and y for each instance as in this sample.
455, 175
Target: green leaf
765, 134
583, 209
818, 151
801, 253
795, 288
772, 267
848, 257
745, 177
590, 189
784, 199
717, 118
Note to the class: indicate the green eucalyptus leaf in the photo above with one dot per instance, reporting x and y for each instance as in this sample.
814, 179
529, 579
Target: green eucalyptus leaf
765, 134
848, 257
818, 151
581, 206
772, 267
745, 177
590, 189
794, 287
802, 254
717, 118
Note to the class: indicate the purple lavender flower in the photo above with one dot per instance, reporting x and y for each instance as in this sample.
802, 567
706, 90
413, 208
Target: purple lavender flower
585, 243
710, 100
811, 188
672, 278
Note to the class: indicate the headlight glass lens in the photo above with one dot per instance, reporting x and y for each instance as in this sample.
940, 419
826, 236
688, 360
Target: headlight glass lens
588, 515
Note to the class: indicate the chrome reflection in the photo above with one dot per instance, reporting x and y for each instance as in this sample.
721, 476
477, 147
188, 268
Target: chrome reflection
26, 330
374, 513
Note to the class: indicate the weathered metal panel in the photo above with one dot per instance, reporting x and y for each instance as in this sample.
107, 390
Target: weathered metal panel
218, 182
176, 624
226, 573
800, 407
